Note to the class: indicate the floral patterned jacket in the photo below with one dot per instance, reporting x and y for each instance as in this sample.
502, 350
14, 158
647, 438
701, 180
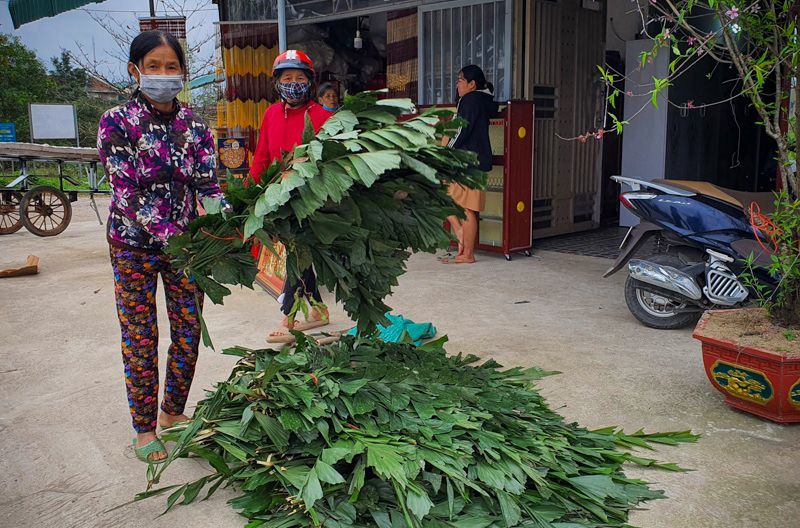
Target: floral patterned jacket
158, 166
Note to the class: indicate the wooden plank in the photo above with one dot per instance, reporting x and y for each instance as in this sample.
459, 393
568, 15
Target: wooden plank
30, 268
48, 152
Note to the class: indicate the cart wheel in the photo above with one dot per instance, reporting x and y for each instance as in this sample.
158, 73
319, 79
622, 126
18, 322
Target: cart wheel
528, 253
10, 219
45, 211
508, 257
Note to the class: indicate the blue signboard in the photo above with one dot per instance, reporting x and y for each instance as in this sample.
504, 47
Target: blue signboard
8, 133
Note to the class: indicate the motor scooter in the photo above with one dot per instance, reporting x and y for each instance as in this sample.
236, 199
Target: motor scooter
703, 236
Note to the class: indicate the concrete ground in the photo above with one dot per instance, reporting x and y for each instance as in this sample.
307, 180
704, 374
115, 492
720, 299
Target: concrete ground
65, 429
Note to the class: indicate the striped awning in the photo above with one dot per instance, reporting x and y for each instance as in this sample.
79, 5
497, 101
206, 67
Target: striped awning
24, 11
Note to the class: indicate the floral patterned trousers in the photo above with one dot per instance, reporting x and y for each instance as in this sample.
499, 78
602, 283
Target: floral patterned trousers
135, 283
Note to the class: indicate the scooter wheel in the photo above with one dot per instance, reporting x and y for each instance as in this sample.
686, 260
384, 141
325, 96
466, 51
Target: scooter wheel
654, 309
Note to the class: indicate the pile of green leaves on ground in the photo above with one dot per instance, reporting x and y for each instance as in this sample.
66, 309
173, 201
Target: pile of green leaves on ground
355, 200
365, 433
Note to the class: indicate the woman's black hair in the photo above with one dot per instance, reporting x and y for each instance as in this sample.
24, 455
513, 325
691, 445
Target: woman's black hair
323, 89
147, 41
475, 73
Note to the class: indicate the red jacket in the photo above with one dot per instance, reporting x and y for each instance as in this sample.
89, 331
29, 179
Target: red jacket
281, 131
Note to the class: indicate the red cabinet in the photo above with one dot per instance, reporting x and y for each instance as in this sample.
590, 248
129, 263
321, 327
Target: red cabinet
506, 223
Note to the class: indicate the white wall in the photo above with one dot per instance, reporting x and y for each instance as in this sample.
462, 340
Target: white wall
644, 139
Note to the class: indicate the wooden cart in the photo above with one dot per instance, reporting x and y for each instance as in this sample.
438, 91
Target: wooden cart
45, 210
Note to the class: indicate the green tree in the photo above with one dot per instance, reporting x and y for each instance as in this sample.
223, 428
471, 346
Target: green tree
71, 87
23, 80
71, 82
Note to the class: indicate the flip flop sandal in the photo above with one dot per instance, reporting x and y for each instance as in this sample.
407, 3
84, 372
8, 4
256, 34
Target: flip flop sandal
454, 261
322, 338
308, 325
283, 337
143, 453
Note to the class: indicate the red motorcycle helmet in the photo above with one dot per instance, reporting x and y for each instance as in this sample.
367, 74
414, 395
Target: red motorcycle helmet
292, 59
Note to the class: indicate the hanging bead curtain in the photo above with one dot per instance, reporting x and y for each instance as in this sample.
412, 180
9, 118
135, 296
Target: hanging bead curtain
246, 53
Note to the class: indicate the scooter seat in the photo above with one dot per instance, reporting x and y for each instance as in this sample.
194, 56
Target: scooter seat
764, 200
742, 200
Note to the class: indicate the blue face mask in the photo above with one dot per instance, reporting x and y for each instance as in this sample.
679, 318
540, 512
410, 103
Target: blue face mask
329, 109
160, 88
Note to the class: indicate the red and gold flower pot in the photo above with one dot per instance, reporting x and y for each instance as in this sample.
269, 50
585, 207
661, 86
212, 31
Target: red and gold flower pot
758, 381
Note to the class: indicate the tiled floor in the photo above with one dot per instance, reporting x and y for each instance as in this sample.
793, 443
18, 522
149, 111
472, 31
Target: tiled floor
602, 243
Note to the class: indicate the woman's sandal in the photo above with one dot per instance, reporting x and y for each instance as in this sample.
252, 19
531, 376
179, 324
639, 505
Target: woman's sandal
308, 325
456, 260
320, 339
143, 453
281, 335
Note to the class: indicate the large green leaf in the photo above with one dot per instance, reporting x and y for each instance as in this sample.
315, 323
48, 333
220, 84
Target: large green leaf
311, 490
418, 501
327, 474
386, 462
343, 121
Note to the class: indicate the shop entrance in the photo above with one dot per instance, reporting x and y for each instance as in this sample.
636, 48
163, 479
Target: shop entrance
349, 53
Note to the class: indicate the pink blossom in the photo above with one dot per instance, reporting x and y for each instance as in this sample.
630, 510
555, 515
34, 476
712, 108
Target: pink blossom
691, 41
629, 93
666, 34
582, 138
733, 12
690, 104
649, 60
700, 51
599, 134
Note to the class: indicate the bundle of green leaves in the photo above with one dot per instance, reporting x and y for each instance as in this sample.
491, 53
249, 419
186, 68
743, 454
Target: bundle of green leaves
355, 201
365, 433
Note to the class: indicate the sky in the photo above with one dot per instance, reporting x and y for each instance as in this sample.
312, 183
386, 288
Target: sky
49, 35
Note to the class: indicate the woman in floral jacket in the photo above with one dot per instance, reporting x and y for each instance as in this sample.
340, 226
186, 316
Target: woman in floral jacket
160, 159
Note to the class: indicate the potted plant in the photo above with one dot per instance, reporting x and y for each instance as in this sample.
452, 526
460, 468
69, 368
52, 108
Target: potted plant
751, 356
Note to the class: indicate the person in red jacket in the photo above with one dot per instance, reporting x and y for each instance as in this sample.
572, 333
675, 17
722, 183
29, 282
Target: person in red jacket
282, 126
282, 130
